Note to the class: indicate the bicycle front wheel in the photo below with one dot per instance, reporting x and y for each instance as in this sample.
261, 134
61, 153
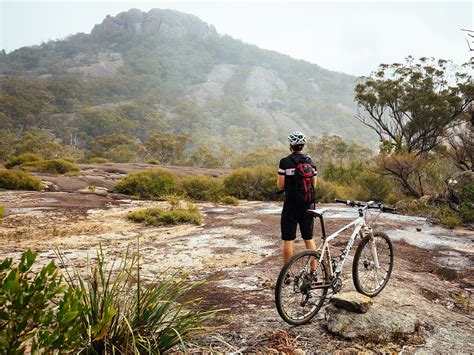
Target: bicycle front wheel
368, 278
301, 288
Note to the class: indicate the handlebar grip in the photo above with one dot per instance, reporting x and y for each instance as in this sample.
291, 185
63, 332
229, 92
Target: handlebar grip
389, 209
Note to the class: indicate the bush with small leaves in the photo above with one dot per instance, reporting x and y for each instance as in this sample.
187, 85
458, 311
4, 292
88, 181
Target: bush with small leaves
154, 183
22, 159
98, 160
18, 180
202, 188
449, 218
258, 183
325, 191
229, 200
53, 166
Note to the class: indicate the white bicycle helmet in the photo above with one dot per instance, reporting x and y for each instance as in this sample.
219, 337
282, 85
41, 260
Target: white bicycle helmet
296, 138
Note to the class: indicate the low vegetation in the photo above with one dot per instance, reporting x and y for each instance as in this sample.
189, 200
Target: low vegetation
22, 159
155, 183
38, 311
229, 200
18, 180
257, 183
202, 188
98, 160
161, 217
52, 166
109, 311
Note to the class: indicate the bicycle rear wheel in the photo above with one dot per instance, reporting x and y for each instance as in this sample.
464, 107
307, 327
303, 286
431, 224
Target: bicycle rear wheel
299, 291
368, 279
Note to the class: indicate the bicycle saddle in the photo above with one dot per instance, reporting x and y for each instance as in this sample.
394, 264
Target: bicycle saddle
318, 213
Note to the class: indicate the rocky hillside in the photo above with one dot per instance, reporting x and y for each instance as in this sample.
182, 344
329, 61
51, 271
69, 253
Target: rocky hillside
188, 78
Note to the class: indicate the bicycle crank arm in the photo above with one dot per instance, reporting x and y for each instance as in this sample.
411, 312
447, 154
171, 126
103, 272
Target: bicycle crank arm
318, 287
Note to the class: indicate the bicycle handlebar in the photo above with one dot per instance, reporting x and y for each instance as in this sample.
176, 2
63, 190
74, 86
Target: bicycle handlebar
373, 205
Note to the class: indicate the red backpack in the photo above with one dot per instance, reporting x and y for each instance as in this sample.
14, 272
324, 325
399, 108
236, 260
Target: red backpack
304, 189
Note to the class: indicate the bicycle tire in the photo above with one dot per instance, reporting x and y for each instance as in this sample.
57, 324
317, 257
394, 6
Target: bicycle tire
280, 285
367, 264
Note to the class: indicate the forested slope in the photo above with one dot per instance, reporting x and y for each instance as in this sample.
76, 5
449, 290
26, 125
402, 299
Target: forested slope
165, 71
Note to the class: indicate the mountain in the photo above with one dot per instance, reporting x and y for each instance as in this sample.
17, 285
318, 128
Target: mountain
168, 71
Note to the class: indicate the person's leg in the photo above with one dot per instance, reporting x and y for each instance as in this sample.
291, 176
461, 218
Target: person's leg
287, 250
288, 230
306, 223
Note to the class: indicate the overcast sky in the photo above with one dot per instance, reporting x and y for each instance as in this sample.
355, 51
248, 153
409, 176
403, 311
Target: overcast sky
352, 36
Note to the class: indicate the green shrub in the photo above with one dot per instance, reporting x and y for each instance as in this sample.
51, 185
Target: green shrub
160, 217
2, 212
147, 184
153, 162
22, 159
325, 191
229, 200
202, 188
122, 315
98, 160
449, 218
36, 309
53, 166
18, 180
467, 203
258, 183
374, 187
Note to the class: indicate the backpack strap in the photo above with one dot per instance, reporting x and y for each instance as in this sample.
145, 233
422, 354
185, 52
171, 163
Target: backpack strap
303, 157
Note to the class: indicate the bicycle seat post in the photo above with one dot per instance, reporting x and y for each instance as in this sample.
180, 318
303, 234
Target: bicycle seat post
323, 228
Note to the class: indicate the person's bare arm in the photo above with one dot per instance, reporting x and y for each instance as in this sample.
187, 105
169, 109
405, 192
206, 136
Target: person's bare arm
281, 182
314, 180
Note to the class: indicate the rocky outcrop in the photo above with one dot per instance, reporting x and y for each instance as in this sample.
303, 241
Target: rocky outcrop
377, 324
262, 87
214, 87
165, 23
352, 301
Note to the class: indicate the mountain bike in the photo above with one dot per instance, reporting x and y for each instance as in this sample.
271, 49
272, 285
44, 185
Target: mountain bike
305, 280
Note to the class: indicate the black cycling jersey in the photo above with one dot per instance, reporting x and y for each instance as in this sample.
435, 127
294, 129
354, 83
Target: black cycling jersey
294, 213
287, 168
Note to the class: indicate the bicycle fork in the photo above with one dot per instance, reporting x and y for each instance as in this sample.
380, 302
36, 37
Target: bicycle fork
374, 252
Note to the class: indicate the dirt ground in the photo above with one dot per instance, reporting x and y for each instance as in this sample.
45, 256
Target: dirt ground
237, 250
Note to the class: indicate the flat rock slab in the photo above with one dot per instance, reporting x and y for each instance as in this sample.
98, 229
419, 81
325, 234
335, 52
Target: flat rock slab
377, 324
352, 301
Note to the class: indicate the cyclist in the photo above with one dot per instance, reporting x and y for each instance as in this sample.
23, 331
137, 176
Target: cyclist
294, 210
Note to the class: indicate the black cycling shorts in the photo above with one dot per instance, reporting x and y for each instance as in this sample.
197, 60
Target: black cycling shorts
292, 215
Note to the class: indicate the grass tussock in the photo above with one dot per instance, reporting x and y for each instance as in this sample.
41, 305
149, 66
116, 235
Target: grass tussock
124, 315
19, 180
163, 217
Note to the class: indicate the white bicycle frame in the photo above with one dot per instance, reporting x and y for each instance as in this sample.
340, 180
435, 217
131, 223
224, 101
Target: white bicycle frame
359, 225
